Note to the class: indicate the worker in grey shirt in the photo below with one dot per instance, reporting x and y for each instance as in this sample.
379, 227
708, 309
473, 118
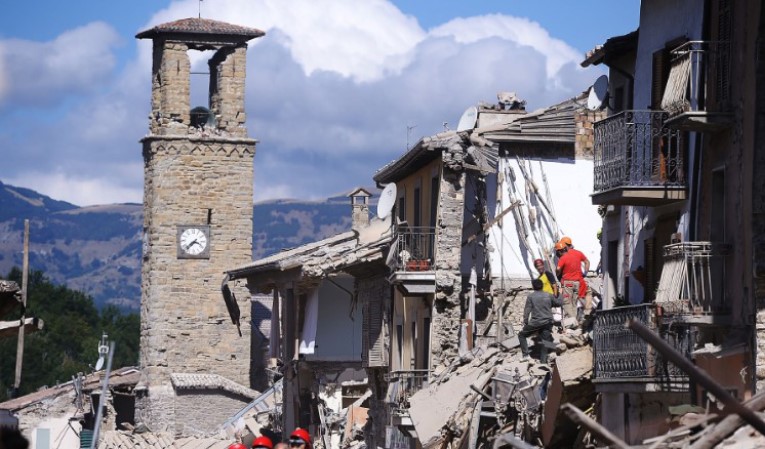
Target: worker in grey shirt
538, 319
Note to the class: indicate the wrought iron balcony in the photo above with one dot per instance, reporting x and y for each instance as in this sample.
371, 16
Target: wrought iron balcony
401, 386
697, 94
415, 248
621, 355
691, 287
412, 259
638, 160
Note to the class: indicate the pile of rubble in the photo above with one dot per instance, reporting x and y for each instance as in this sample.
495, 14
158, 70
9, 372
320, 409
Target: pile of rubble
492, 391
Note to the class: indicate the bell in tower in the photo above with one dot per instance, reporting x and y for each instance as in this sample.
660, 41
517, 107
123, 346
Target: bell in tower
196, 370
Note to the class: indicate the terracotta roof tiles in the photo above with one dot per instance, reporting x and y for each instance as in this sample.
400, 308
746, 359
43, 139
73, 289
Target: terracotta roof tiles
198, 26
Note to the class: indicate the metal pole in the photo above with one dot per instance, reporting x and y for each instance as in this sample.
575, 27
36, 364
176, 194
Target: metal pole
24, 281
102, 398
580, 418
697, 375
500, 329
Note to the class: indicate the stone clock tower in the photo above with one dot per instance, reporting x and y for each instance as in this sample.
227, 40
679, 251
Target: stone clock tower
198, 198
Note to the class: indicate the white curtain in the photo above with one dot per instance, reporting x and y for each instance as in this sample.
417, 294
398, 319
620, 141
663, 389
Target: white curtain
308, 337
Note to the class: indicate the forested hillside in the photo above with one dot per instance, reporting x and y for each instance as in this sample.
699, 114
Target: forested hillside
68, 343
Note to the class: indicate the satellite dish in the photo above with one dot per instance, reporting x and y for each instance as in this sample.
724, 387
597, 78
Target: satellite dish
468, 119
103, 350
598, 93
387, 200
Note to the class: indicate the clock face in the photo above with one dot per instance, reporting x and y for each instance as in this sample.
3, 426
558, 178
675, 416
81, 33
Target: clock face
193, 242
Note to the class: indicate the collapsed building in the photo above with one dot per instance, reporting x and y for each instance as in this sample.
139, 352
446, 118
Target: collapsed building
436, 280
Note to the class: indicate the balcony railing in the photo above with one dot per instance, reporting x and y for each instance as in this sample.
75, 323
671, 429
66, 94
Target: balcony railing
402, 385
699, 82
692, 280
636, 149
622, 354
415, 248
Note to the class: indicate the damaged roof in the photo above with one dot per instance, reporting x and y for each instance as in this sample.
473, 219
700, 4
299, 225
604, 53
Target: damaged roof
117, 439
551, 124
614, 46
201, 381
127, 377
10, 296
319, 259
418, 156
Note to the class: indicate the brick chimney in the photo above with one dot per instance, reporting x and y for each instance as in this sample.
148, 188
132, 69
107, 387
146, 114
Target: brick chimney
359, 208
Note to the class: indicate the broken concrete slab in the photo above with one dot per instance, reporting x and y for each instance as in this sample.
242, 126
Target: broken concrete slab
433, 407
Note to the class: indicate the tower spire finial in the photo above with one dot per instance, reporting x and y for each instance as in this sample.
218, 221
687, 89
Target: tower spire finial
200, 8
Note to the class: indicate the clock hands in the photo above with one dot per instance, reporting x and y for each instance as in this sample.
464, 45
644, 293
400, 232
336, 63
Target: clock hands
186, 248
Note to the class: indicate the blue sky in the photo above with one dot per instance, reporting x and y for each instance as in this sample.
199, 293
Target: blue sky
331, 88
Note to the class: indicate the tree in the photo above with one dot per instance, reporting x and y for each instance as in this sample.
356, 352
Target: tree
69, 340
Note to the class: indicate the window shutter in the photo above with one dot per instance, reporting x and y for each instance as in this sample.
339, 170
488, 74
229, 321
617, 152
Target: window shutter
375, 325
659, 77
724, 37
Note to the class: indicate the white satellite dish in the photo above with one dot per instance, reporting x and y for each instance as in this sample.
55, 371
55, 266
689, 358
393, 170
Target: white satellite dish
598, 93
468, 119
387, 200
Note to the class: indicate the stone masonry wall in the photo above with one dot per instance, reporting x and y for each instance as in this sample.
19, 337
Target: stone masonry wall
447, 306
185, 327
227, 76
584, 143
170, 88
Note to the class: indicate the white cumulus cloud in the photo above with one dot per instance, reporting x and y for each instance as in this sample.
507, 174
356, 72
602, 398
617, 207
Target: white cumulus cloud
331, 91
45, 73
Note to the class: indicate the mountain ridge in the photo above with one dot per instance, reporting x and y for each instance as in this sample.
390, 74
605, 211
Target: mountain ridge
97, 249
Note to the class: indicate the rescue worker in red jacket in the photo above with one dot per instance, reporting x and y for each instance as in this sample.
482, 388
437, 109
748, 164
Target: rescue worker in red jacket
571, 275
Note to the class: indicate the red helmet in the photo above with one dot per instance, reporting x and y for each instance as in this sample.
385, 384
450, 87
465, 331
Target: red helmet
237, 446
301, 434
262, 441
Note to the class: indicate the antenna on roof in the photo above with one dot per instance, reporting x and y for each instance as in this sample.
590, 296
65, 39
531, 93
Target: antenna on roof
103, 350
200, 8
409, 129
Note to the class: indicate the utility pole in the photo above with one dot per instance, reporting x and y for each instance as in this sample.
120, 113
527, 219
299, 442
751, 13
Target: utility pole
24, 281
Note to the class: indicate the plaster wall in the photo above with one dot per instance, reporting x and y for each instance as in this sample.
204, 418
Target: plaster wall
570, 187
338, 333
660, 22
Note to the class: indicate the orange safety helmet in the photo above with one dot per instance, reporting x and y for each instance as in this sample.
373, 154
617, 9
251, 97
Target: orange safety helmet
301, 434
566, 240
237, 446
560, 246
262, 441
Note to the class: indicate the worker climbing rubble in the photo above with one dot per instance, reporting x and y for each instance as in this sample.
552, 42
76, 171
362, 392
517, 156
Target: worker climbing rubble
538, 319
573, 265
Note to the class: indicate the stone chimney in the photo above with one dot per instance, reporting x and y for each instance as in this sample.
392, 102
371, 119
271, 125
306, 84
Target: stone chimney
359, 208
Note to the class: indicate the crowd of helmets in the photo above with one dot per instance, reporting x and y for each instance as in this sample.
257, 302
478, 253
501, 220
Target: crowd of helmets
299, 439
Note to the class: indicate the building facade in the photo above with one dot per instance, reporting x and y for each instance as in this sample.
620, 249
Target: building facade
198, 202
675, 177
